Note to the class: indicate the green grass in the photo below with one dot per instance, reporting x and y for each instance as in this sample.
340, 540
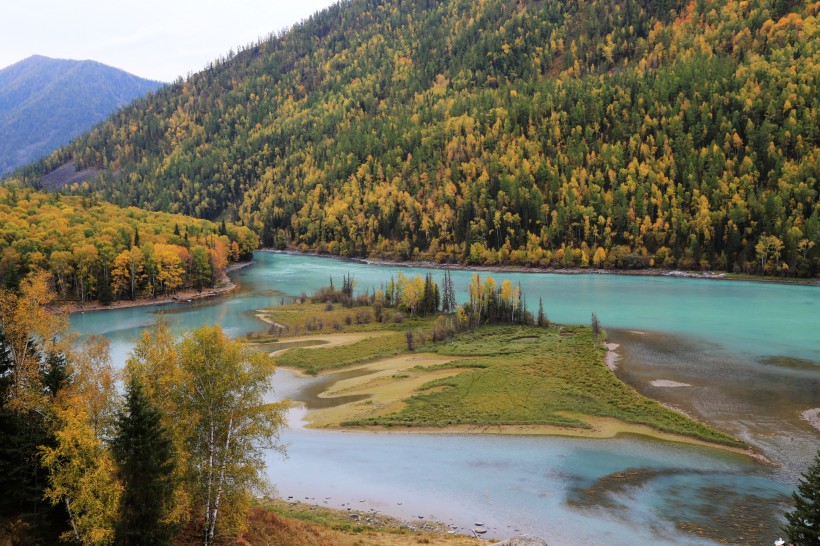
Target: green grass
314, 361
508, 380
509, 375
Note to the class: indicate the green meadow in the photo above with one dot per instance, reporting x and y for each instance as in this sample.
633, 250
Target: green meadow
508, 375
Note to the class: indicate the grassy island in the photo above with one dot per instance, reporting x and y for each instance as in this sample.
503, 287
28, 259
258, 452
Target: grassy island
388, 369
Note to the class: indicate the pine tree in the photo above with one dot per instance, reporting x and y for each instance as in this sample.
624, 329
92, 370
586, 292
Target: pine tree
451, 293
543, 321
427, 300
445, 295
804, 521
146, 460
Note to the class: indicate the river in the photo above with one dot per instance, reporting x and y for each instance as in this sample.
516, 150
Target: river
749, 351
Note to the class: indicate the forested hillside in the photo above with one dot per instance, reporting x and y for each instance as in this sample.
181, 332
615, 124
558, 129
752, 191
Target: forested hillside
623, 133
96, 250
45, 103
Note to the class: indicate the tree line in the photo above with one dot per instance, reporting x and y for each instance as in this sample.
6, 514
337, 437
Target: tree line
489, 302
180, 451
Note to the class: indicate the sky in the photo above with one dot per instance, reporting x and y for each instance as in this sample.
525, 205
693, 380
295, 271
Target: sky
154, 39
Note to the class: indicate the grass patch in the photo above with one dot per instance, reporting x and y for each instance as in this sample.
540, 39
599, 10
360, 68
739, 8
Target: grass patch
314, 361
297, 523
508, 375
534, 383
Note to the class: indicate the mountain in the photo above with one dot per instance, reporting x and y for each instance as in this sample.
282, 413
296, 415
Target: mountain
591, 133
45, 103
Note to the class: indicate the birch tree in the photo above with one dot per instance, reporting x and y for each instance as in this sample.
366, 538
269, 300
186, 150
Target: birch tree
227, 423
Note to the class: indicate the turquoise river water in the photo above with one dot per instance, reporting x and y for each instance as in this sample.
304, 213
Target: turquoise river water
748, 352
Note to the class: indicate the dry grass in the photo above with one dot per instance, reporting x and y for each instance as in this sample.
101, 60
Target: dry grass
297, 524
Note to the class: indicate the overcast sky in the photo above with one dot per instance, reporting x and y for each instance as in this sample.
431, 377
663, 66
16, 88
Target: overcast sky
155, 39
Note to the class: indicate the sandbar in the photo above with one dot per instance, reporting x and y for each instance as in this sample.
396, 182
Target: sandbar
326, 341
668, 383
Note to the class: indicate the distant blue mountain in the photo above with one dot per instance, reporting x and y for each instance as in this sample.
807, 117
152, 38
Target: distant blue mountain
45, 103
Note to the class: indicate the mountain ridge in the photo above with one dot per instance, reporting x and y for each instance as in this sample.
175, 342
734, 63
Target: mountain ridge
583, 134
46, 102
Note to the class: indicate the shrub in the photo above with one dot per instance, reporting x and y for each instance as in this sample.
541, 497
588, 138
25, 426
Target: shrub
443, 329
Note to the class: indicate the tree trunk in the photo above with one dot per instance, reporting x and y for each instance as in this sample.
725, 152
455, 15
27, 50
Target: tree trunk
212, 524
71, 520
209, 529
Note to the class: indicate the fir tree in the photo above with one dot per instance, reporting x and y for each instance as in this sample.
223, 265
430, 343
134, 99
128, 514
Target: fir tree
804, 521
146, 460
427, 302
543, 322
137, 237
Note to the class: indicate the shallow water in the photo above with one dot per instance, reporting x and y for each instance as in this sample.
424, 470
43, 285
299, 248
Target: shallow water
750, 351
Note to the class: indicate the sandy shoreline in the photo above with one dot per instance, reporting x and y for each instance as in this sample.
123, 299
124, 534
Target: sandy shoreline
603, 428
708, 275
182, 296
612, 357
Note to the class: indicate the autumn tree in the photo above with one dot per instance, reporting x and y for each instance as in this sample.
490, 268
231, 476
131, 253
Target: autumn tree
226, 421
211, 391
82, 476
128, 271
29, 331
81, 471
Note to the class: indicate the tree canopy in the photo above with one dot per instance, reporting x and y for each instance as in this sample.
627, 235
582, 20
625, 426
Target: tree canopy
629, 134
98, 250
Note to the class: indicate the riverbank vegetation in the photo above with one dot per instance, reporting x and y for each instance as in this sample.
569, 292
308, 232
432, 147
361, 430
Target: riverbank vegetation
181, 452
96, 250
301, 524
469, 369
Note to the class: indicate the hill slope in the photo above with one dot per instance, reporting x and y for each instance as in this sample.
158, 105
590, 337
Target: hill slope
590, 133
45, 103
